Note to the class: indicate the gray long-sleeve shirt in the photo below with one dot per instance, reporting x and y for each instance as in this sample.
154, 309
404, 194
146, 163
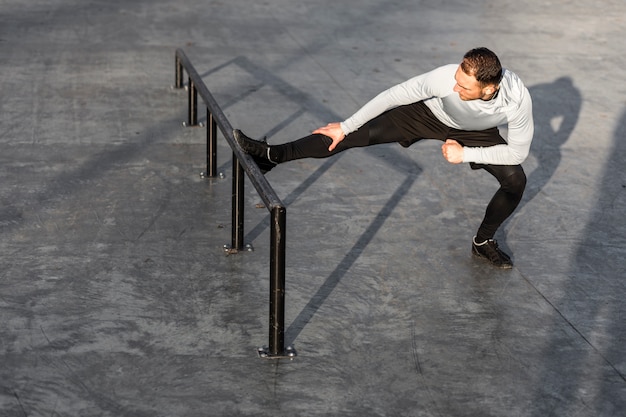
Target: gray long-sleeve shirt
512, 107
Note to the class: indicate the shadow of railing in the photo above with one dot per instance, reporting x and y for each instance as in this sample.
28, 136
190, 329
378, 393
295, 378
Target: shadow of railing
319, 298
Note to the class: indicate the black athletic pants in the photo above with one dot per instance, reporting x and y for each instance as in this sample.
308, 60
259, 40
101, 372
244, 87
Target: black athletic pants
407, 125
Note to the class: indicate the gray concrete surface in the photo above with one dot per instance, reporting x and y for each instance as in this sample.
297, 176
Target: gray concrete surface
117, 299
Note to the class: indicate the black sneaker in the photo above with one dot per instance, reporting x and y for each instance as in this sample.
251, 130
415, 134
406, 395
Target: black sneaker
257, 149
264, 164
252, 147
489, 251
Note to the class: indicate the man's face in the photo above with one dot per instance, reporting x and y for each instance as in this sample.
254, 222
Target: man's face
470, 89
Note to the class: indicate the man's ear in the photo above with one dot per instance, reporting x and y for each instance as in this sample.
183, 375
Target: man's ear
491, 89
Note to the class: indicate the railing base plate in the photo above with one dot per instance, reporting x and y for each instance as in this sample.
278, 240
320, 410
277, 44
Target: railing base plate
186, 124
204, 174
231, 250
289, 353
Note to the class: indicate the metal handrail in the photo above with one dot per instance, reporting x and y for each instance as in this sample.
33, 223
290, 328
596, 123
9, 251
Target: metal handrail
243, 162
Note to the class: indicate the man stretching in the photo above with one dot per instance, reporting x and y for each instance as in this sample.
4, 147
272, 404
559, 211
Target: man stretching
460, 105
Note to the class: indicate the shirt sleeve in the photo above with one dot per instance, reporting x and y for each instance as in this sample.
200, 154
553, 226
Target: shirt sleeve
519, 138
416, 89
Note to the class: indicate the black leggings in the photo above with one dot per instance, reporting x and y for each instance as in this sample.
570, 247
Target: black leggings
407, 125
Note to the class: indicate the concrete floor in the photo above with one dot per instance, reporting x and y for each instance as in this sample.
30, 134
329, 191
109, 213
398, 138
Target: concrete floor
116, 296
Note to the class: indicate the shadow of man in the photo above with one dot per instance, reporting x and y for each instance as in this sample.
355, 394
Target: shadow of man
556, 108
584, 370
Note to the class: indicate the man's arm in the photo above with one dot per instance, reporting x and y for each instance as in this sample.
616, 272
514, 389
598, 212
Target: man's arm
434, 83
519, 138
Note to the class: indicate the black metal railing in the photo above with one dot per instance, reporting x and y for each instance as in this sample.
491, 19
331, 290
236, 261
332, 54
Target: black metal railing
242, 162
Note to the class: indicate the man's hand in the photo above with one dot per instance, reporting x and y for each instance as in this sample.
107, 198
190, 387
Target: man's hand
452, 151
333, 131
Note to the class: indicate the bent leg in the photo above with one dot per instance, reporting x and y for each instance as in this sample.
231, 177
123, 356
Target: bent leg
512, 181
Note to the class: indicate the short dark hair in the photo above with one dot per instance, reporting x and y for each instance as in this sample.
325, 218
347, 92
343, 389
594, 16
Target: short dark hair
484, 65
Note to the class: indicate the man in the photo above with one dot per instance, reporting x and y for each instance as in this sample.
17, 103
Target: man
461, 105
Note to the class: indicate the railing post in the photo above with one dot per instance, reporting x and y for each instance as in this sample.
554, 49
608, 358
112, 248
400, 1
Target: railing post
179, 73
237, 199
277, 282
192, 118
211, 145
